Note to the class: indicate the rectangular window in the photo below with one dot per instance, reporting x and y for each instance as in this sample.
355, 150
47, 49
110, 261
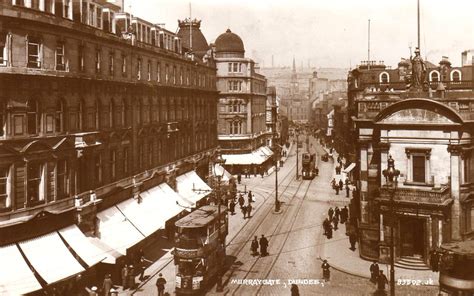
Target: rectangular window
418, 168
113, 164
111, 63
3, 49
60, 63
139, 69
81, 57
167, 72
125, 160
99, 17
34, 191
158, 72
97, 61
3, 187
49, 123
34, 53
124, 65
18, 124
63, 180
149, 70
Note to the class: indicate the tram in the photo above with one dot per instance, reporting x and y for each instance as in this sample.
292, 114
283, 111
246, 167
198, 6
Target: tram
200, 248
309, 170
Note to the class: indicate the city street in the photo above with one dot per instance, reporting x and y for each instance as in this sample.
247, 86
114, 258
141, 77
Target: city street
296, 241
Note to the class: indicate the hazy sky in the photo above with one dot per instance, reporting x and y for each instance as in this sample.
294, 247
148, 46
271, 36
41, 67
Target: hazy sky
329, 33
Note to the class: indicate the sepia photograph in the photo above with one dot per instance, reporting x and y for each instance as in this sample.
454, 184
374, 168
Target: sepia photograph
236, 147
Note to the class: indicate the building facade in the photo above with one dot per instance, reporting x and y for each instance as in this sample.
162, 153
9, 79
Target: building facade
427, 129
96, 106
242, 104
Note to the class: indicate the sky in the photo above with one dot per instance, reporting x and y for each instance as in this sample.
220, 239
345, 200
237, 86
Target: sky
326, 33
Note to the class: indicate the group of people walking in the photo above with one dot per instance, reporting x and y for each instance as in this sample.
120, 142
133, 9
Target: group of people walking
378, 277
332, 220
246, 208
262, 243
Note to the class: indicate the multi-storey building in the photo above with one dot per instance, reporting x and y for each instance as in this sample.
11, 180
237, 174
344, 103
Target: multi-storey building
425, 126
242, 131
297, 102
97, 108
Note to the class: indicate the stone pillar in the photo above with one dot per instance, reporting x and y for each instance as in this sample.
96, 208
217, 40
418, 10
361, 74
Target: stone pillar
440, 232
430, 234
455, 191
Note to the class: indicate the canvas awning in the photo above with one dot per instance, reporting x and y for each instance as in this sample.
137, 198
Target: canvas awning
192, 187
50, 257
83, 247
256, 157
151, 213
116, 231
16, 278
349, 168
219, 170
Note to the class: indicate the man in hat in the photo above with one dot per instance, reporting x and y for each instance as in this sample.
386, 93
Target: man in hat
160, 285
381, 282
374, 272
124, 275
326, 273
92, 291
263, 246
107, 285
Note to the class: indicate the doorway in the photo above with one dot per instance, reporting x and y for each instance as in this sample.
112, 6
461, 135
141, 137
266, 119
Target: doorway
412, 236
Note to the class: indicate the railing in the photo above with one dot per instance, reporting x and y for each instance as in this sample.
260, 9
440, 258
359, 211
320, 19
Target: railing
433, 196
402, 85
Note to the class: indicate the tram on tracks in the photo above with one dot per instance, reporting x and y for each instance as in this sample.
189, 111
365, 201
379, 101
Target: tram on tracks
309, 170
199, 253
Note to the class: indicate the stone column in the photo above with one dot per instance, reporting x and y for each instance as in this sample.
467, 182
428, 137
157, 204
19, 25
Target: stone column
455, 191
364, 183
381, 228
440, 232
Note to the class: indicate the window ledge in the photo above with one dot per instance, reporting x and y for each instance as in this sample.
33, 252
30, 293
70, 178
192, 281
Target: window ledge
417, 184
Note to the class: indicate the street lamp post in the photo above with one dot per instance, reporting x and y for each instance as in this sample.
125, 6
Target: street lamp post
277, 156
219, 161
297, 152
391, 176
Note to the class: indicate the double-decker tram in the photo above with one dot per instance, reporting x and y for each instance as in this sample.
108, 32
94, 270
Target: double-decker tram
309, 170
199, 253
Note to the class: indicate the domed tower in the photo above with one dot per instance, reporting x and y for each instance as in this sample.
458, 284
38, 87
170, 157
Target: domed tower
197, 43
229, 45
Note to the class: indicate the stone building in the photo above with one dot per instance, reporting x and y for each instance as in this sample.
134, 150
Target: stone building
427, 130
242, 131
105, 121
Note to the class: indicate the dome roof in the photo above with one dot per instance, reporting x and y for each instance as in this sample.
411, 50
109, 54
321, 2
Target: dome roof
229, 42
199, 42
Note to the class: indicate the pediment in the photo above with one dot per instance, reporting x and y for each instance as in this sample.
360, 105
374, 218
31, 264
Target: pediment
416, 116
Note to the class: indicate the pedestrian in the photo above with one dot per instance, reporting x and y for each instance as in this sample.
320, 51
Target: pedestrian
374, 272
352, 240
125, 277
326, 224
326, 272
254, 246
244, 211
330, 213
138, 257
329, 231
246, 172
131, 277
348, 190
241, 201
333, 183
294, 290
249, 210
341, 184
239, 178
254, 171
160, 285
250, 197
337, 190
337, 213
381, 282
92, 291
335, 221
434, 260
143, 264
107, 285
262, 172
232, 206
344, 213
263, 246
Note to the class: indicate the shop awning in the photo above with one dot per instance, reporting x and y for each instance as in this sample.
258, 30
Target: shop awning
83, 247
155, 208
221, 171
50, 257
188, 186
257, 157
112, 255
16, 278
116, 231
349, 168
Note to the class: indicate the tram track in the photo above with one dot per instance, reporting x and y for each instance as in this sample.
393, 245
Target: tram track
275, 232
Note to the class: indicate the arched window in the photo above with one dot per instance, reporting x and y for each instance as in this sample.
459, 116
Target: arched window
384, 77
59, 116
33, 116
456, 76
235, 127
434, 76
